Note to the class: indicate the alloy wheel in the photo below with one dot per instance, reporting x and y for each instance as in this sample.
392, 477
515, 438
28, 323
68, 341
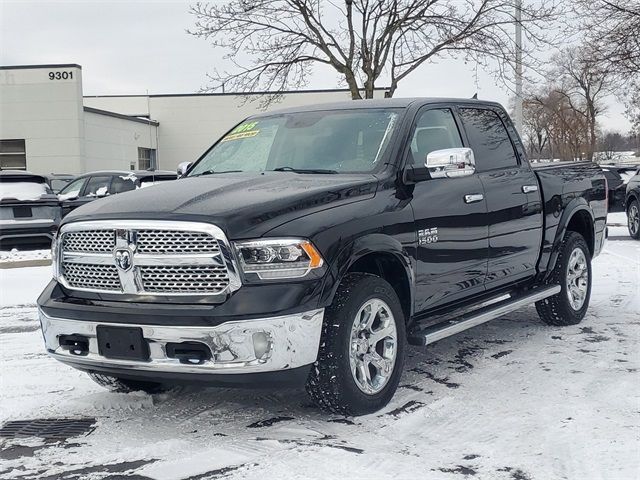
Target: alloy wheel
633, 218
577, 279
373, 346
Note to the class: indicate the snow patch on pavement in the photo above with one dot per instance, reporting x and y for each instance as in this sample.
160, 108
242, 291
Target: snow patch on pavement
511, 399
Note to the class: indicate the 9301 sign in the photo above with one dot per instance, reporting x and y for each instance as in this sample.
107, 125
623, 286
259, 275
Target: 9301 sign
60, 75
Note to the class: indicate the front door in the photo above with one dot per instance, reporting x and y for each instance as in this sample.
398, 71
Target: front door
450, 217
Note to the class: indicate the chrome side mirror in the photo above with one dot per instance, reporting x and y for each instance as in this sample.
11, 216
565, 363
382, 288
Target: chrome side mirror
183, 167
451, 163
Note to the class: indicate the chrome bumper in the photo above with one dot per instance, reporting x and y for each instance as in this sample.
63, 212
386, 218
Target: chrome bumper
249, 346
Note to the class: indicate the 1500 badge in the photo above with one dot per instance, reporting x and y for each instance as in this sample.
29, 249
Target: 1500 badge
427, 235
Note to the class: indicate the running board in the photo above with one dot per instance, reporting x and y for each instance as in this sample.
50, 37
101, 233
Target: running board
446, 329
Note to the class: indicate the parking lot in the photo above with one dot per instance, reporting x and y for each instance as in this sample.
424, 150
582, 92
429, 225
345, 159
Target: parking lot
512, 399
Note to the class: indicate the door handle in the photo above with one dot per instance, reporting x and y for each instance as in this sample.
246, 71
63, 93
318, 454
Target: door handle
473, 198
529, 188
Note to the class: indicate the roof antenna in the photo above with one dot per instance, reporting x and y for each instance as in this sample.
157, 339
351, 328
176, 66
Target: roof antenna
475, 96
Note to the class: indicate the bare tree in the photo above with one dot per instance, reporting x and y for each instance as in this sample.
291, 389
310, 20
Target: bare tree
585, 82
536, 126
613, 31
553, 126
273, 45
610, 146
632, 104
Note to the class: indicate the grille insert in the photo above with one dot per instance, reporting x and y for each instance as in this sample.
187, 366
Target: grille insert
95, 241
184, 279
164, 258
175, 242
94, 277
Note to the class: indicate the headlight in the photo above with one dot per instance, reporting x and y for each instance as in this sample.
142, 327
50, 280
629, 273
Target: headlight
278, 257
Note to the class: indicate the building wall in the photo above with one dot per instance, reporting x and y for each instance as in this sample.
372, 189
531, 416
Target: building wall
190, 124
112, 143
47, 114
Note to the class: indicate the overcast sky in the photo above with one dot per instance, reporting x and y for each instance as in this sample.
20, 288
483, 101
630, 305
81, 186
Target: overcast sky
130, 47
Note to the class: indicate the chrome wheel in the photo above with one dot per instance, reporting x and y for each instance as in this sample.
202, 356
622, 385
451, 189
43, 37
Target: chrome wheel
633, 219
373, 346
577, 279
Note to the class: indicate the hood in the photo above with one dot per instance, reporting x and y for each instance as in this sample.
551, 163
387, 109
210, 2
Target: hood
244, 205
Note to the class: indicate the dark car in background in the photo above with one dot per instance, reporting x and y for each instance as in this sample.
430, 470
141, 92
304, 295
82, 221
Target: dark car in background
632, 205
617, 188
617, 178
57, 181
29, 210
90, 186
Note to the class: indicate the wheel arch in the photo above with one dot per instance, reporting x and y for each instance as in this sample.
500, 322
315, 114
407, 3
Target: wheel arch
380, 255
578, 218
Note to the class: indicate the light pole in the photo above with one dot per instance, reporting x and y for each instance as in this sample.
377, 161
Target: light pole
518, 25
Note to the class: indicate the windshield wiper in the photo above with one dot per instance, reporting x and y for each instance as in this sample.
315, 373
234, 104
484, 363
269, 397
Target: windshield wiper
303, 170
213, 172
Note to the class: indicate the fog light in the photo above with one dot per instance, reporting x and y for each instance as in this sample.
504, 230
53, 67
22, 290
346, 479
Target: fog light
261, 344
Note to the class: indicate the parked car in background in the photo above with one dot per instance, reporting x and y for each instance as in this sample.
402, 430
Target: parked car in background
617, 189
29, 210
632, 205
90, 186
57, 181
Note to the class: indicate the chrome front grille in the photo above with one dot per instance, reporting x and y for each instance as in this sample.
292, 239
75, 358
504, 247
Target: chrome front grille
183, 279
175, 242
94, 277
146, 258
95, 241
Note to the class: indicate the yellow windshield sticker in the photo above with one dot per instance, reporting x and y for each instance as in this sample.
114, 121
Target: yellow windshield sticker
238, 136
245, 130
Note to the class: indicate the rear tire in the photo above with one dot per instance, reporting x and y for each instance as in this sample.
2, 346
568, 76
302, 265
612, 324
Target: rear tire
573, 273
124, 385
633, 219
362, 348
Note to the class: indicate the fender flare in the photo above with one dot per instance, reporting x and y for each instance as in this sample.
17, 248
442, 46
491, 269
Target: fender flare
575, 206
357, 249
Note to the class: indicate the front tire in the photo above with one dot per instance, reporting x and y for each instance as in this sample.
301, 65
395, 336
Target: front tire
573, 273
361, 354
633, 219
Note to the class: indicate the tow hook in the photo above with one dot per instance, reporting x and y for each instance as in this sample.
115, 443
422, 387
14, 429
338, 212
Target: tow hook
75, 344
193, 353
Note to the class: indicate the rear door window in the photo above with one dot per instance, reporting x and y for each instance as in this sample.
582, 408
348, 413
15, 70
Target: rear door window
97, 186
489, 139
122, 184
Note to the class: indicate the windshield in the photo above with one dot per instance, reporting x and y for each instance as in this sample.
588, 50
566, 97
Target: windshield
308, 142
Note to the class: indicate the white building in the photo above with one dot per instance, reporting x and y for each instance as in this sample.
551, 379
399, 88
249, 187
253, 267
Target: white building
47, 126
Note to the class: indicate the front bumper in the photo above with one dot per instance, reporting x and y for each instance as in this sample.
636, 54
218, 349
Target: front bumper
238, 347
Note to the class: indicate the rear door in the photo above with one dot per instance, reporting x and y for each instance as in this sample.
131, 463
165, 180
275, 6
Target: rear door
512, 196
452, 231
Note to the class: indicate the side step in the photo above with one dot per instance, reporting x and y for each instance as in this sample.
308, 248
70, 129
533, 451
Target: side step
446, 329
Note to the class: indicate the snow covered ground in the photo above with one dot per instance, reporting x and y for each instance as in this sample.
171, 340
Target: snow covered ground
512, 399
19, 255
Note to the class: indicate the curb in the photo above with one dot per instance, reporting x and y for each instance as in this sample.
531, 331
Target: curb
43, 262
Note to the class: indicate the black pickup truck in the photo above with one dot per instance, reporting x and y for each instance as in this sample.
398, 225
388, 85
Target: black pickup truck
310, 245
